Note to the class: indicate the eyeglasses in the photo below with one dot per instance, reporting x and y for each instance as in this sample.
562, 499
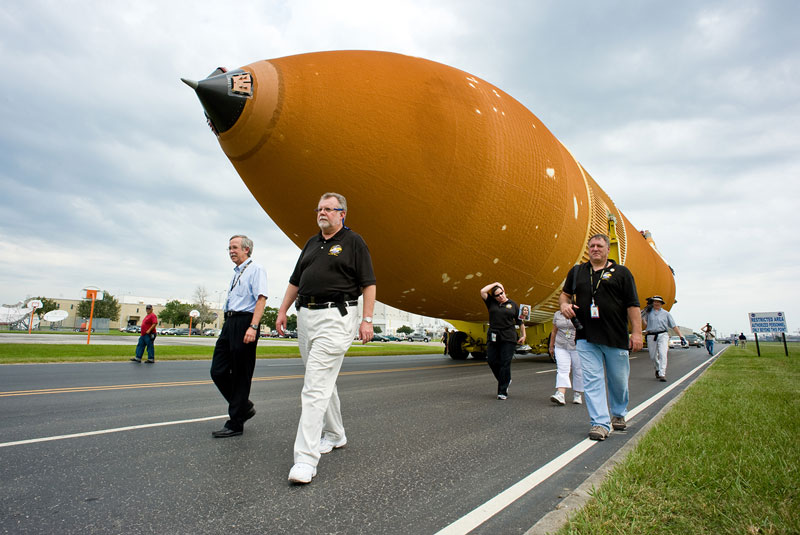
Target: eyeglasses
498, 294
328, 210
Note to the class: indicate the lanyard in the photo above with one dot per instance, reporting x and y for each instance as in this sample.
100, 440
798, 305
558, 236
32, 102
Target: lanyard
239, 276
592, 285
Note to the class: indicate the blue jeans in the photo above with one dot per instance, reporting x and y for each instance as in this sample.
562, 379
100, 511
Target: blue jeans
612, 362
710, 346
145, 340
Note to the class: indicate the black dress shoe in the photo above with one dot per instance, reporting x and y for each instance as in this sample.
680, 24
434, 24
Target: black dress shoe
226, 432
250, 414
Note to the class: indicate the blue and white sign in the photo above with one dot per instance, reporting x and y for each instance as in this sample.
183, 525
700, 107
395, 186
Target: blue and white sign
767, 322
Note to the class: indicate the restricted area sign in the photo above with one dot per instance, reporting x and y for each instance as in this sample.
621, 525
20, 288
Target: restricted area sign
767, 322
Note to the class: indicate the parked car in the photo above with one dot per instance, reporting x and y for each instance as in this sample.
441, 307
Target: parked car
211, 332
418, 337
133, 329
162, 330
694, 340
675, 341
379, 338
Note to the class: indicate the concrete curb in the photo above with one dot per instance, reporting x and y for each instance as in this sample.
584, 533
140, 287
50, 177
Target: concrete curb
577, 499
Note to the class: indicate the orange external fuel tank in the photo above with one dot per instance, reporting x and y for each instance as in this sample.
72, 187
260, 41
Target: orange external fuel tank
452, 182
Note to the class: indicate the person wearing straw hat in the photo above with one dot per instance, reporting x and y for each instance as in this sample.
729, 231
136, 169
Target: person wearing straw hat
657, 322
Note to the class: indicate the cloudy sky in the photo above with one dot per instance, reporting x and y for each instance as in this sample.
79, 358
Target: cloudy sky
685, 113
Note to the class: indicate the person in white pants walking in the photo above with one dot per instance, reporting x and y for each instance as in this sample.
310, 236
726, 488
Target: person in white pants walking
657, 322
562, 346
334, 268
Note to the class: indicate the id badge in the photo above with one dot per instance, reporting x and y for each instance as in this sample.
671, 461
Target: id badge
494, 337
594, 312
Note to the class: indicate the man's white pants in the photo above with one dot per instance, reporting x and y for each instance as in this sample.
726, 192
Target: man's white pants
323, 337
658, 351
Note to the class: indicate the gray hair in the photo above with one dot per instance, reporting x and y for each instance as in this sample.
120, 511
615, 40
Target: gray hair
339, 197
601, 237
247, 243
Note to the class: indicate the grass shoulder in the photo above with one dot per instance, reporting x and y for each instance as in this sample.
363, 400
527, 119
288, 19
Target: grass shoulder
47, 353
725, 459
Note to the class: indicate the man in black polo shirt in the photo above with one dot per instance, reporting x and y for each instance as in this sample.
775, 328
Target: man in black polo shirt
334, 268
605, 301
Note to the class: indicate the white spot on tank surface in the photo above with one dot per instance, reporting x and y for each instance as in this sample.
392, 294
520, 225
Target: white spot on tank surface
496, 260
575, 200
551, 172
533, 125
503, 227
478, 273
445, 277
469, 276
556, 269
530, 289
495, 109
555, 236
477, 111
472, 85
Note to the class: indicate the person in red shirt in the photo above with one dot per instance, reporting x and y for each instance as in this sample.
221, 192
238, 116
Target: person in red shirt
147, 338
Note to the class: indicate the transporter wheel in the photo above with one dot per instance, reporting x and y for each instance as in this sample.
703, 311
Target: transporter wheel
455, 346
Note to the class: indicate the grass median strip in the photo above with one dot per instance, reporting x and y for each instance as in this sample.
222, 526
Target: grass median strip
48, 353
725, 459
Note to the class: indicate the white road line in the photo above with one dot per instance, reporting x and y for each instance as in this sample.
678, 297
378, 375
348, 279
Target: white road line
484, 512
107, 431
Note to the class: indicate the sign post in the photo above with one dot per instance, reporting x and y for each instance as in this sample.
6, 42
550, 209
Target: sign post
34, 304
767, 322
93, 294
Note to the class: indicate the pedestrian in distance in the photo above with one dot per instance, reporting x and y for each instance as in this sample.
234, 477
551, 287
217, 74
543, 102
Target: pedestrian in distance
742, 340
708, 334
657, 323
234, 358
562, 348
501, 339
333, 270
605, 301
147, 337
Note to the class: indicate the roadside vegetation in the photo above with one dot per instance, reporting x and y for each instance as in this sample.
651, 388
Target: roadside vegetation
725, 459
43, 353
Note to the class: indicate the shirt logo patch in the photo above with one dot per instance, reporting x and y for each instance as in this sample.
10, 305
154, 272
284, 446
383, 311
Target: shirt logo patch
606, 276
335, 250
508, 305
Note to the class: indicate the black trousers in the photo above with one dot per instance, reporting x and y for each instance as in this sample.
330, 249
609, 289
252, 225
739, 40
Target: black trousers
232, 368
499, 356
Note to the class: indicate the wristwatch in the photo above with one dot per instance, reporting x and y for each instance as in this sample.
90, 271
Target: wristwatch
254, 326
368, 319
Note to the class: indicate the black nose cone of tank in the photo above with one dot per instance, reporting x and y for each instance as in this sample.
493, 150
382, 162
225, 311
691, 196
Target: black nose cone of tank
223, 96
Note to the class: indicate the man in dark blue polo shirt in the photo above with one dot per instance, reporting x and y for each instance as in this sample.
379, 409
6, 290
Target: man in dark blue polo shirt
334, 268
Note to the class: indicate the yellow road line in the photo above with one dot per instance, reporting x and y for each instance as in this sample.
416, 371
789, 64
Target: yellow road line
103, 388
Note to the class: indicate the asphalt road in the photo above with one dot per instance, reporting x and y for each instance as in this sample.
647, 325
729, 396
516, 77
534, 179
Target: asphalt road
127, 448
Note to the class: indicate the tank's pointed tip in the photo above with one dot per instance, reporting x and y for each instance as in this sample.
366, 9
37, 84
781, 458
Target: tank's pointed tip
190, 83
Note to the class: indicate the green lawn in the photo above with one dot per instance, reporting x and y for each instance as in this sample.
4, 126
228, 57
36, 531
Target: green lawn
725, 459
40, 353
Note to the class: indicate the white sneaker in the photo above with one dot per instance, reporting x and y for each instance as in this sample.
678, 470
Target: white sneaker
327, 445
302, 473
558, 398
577, 398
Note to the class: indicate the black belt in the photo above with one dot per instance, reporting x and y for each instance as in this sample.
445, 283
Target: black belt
657, 333
231, 313
329, 304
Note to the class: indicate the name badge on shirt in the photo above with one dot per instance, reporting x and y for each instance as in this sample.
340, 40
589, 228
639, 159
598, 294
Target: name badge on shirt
494, 337
594, 312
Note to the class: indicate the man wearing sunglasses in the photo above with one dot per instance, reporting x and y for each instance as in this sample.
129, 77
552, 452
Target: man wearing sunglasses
334, 268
